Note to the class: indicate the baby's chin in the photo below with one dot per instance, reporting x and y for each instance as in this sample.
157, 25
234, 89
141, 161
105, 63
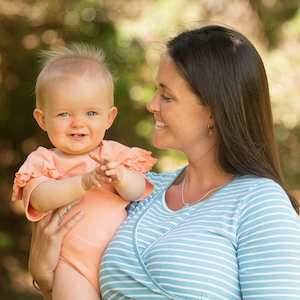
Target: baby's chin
74, 152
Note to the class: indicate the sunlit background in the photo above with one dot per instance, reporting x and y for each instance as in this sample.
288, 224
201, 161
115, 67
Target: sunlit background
132, 34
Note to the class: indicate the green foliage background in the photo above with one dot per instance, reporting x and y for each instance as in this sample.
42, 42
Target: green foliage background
132, 34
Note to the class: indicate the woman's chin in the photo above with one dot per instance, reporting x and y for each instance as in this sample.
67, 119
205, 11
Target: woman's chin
159, 143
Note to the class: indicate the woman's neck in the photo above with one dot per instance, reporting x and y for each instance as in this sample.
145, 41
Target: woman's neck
206, 176
205, 171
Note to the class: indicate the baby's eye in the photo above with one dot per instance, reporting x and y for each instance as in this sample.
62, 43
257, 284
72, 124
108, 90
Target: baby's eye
63, 115
91, 113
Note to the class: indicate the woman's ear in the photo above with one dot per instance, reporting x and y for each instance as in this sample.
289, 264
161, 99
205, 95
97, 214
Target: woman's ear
211, 120
111, 116
40, 118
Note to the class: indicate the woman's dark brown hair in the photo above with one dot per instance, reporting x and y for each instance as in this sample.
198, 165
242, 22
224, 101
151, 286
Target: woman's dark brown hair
224, 69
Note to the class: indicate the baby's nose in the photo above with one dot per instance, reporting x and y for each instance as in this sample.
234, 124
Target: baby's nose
77, 121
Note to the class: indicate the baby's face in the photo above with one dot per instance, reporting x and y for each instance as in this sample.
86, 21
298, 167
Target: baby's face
76, 113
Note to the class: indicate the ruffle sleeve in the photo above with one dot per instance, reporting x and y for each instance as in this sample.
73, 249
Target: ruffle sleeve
135, 159
138, 159
38, 168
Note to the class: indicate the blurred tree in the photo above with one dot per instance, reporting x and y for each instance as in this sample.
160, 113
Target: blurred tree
131, 33
273, 14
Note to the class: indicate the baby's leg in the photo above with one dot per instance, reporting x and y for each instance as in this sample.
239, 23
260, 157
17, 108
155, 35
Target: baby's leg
71, 285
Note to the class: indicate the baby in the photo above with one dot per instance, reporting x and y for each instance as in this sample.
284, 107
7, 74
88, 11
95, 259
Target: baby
74, 105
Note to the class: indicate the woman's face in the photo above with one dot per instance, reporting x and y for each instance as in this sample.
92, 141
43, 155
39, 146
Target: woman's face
181, 122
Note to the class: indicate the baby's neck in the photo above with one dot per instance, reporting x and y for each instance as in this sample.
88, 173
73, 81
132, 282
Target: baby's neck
65, 155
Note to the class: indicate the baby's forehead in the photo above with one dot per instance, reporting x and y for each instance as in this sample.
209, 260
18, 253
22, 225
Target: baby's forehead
75, 93
75, 66
71, 69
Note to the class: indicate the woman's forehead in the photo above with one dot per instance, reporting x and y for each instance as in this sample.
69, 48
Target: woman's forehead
168, 76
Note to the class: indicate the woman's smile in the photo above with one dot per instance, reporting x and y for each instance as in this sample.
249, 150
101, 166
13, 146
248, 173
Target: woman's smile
159, 125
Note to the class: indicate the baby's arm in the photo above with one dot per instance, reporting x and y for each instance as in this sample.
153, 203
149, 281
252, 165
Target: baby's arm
129, 184
53, 194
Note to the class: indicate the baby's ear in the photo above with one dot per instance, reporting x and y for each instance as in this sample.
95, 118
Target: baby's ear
39, 117
111, 116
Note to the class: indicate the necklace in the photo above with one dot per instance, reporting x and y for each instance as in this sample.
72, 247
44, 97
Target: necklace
186, 204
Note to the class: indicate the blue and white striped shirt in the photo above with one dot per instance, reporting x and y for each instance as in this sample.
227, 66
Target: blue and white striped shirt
241, 243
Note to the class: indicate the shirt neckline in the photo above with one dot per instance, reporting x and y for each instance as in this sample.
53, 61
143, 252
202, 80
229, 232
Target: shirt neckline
196, 204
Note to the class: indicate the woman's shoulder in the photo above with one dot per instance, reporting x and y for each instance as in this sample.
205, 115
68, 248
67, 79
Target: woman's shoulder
263, 196
254, 185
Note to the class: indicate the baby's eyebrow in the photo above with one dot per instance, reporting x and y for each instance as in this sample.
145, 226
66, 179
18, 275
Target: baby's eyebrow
94, 108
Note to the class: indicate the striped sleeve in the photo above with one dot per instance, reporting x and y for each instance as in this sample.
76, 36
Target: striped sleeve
268, 241
159, 182
134, 204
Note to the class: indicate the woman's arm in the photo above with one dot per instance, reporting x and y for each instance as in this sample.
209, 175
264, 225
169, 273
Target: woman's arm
269, 245
47, 237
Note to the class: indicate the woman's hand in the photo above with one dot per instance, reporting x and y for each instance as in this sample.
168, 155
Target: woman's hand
46, 241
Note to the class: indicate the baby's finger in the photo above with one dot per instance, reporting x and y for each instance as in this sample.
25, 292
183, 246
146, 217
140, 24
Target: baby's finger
95, 158
100, 170
112, 165
105, 158
97, 180
111, 173
102, 178
103, 164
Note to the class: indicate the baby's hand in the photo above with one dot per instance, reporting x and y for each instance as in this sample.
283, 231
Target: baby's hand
112, 170
108, 171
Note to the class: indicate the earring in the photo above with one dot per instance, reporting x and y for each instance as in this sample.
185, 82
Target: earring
210, 128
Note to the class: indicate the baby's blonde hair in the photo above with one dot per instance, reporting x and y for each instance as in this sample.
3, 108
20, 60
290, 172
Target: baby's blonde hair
77, 60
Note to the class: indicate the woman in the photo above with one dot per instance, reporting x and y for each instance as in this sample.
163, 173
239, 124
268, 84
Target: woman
222, 227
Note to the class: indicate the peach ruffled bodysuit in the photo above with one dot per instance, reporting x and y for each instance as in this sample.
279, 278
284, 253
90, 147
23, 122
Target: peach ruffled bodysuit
103, 208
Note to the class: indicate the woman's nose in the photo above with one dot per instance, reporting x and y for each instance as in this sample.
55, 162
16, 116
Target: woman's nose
153, 105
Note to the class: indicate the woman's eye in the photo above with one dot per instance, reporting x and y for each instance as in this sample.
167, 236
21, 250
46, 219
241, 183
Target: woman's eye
91, 113
63, 115
166, 98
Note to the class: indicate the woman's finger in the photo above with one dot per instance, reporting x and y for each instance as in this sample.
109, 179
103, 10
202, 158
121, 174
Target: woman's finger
64, 229
44, 221
58, 216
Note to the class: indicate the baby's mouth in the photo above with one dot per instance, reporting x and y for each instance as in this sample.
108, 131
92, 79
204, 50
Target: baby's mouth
77, 135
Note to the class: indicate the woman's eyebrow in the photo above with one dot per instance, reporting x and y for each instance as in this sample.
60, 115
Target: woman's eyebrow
164, 87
